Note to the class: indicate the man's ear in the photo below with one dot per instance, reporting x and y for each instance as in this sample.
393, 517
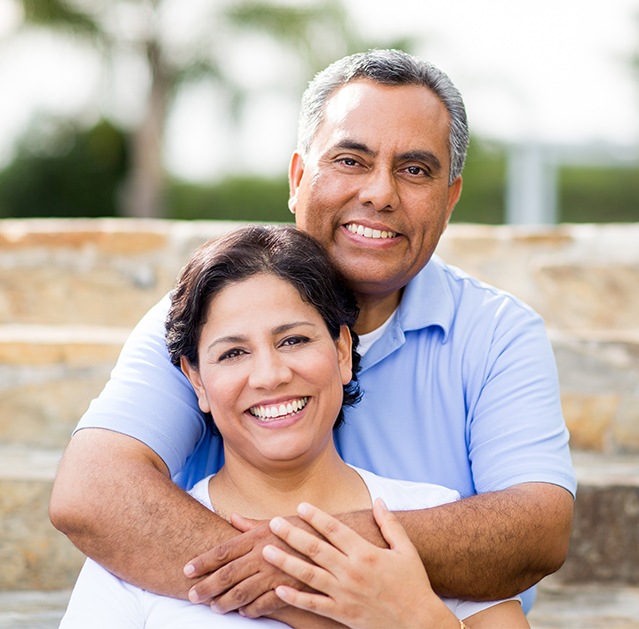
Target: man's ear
454, 192
193, 375
345, 354
295, 172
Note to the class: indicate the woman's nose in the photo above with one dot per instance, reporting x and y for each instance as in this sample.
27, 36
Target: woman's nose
269, 370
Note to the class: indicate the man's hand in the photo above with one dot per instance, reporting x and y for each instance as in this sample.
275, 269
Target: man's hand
235, 574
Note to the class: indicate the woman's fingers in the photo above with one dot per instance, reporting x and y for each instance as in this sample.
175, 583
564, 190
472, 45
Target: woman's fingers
392, 530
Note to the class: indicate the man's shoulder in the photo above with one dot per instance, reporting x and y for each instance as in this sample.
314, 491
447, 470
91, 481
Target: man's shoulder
448, 297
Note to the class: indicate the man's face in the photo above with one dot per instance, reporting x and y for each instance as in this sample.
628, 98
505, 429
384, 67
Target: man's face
374, 187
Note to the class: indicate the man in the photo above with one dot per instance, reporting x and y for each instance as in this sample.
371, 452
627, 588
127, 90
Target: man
460, 385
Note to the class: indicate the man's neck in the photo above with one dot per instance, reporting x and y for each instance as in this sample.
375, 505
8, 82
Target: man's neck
375, 310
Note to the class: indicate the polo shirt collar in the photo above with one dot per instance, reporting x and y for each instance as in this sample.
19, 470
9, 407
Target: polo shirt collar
427, 301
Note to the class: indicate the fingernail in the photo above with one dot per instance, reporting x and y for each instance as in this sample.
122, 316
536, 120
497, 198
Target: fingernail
269, 552
276, 524
382, 504
189, 569
193, 596
302, 508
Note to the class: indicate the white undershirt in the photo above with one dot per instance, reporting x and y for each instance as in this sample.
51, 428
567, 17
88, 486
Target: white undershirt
367, 340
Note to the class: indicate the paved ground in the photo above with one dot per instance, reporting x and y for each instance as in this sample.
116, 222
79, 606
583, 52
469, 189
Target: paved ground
557, 607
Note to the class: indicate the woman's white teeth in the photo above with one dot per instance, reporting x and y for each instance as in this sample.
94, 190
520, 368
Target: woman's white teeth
277, 411
367, 232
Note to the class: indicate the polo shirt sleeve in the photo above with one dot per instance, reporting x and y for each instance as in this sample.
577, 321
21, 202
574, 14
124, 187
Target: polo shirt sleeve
148, 398
516, 430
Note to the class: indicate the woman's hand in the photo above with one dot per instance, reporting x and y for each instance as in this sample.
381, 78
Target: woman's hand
360, 585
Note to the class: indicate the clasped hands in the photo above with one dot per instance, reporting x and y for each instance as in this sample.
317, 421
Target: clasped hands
315, 563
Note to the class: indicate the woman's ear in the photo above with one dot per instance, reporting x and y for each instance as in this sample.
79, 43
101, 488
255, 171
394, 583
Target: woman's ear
345, 354
193, 375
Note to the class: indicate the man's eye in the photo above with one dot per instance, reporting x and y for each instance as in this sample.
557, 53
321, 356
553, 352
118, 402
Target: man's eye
416, 170
348, 161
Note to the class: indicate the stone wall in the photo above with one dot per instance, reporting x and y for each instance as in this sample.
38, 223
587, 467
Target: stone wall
71, 290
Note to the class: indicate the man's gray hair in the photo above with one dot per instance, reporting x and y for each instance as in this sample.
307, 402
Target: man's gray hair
387, 67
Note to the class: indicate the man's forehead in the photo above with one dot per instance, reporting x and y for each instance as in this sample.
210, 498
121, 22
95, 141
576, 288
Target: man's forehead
362, 110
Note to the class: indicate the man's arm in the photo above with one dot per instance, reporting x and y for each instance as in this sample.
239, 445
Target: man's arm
115, 501
493, 545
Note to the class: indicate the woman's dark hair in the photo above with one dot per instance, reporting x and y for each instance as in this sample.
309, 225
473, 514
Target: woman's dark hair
282, 251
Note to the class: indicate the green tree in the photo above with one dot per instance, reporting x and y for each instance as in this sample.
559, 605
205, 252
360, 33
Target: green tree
312, 33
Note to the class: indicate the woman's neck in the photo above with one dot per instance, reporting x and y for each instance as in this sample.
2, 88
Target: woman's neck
327, 482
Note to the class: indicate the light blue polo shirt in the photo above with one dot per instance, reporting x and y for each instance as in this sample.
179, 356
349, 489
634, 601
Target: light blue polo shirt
460, 390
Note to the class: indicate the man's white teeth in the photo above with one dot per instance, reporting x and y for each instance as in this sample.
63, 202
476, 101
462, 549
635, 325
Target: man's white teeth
277, 411
367, 232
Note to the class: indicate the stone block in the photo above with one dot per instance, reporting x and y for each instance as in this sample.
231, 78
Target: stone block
48, 377
605, 538
33, 554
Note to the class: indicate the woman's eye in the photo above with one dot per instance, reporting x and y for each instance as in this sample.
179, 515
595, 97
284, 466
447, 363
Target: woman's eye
294, 340
231, 353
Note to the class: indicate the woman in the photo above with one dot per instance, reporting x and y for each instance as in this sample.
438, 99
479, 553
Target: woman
260, 323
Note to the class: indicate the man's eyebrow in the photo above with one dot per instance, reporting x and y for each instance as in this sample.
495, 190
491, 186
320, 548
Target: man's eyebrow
353, 145
421, 156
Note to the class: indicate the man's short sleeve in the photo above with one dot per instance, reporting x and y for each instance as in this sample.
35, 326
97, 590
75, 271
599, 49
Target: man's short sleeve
148, 398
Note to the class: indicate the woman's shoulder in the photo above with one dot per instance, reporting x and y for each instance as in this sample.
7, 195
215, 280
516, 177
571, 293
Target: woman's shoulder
403, 495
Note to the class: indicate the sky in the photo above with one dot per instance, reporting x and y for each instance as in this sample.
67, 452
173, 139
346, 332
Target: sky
549, 71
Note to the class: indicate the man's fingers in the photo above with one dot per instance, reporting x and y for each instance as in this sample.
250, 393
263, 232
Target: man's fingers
243, 524
244, 594
226, 578
218, 556
265, 605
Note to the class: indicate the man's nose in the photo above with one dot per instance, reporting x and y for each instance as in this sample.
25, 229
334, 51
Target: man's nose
269, 370
379, 189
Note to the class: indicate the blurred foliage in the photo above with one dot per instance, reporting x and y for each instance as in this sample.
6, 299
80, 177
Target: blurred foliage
63, 171
73, 173
596, 195
483, 194
235, 198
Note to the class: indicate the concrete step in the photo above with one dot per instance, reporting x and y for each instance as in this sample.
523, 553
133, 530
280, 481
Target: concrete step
48, 376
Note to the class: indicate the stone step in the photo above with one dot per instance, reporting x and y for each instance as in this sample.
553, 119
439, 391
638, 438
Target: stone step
558, 606
33, 554
48, 376
50, 373
605, 540
94, 272
604, 546
584, 606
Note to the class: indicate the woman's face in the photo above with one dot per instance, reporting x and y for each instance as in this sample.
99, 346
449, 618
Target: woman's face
270, 373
